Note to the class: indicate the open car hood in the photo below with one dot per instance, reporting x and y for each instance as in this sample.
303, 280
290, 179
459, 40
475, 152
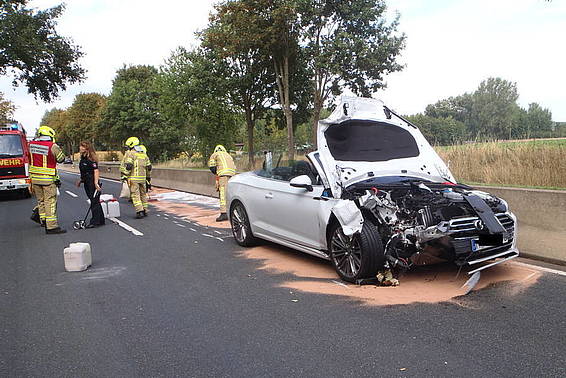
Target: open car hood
362, 139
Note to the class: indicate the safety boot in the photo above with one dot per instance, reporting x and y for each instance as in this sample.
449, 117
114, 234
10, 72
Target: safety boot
57, 230
144, 213
139, 215
222, 217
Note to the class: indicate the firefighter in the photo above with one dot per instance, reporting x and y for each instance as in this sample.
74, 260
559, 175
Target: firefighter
45, 154
222, 165
136, 169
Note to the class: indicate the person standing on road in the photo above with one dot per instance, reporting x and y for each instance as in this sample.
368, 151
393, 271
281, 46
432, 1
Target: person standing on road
136, 169
90, 176
222, 165
45, 154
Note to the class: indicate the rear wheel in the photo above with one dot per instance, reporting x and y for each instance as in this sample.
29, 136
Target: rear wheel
358, 256
241, 228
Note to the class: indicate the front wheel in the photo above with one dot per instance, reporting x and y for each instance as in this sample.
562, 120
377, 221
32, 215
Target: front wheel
241, 228
356, 257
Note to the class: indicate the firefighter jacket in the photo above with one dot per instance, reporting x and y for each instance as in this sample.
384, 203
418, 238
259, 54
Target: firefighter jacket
222, 162
136, 167
45, 155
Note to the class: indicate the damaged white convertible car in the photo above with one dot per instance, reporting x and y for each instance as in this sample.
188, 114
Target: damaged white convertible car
375, 195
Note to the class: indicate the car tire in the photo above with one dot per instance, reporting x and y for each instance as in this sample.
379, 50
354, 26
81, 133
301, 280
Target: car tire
240, 223
358, 257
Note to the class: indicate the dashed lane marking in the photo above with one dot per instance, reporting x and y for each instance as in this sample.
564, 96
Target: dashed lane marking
180, 225
71, 194
192, 229
126, 227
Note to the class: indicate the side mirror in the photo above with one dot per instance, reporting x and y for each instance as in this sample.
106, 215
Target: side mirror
302, 181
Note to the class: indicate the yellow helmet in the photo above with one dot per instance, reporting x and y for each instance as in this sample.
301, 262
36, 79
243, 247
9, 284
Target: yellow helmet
219, 148
46, 131
141, 148
131, 142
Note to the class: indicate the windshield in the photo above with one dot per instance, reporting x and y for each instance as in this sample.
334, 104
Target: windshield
10, 145
369, 141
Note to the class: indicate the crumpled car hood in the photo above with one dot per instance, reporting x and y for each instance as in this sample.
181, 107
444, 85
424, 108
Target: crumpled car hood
358, 141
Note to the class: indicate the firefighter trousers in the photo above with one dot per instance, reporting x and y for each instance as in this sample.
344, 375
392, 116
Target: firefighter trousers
47, 202
222, 182
139, 196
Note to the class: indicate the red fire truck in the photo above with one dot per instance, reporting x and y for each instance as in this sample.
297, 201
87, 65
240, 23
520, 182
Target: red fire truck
14, 159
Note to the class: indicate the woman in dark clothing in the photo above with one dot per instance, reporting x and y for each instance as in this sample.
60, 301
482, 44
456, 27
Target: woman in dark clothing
90, 176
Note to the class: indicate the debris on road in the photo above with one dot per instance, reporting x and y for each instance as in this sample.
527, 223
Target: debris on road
471, 282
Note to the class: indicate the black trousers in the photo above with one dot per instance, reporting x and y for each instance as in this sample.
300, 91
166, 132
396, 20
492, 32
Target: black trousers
95, 207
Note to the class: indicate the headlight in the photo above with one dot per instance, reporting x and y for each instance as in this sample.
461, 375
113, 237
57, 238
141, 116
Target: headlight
22, 181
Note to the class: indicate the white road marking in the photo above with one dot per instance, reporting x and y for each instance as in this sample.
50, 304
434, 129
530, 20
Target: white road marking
71, 194
158, 215
340, 283
207, 235
218, 232
541, 268
126, 227
219, 239
180, 225
192, 229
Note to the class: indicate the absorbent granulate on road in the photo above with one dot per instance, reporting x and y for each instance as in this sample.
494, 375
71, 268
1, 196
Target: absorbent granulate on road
431, 284
186, 207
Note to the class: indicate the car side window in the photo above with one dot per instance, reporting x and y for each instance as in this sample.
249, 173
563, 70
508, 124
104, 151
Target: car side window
286, 171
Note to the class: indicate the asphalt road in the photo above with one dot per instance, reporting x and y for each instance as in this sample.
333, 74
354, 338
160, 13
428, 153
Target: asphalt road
177, 303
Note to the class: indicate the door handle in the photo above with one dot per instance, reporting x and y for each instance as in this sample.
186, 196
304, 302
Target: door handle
269, 196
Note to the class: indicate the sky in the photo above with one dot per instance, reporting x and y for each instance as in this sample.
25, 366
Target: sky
452, 45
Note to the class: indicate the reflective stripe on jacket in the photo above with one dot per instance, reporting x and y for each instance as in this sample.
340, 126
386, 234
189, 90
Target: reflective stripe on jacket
135, 167
223, 162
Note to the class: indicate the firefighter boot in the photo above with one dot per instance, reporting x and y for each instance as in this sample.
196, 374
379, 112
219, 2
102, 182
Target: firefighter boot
54, 231
139, 215
222, 217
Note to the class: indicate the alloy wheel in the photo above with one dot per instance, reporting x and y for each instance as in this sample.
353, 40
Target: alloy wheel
346, 253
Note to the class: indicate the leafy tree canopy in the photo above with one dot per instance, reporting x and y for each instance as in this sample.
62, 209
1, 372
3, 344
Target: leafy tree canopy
32, 51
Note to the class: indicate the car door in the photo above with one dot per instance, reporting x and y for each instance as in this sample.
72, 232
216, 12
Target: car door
296, 213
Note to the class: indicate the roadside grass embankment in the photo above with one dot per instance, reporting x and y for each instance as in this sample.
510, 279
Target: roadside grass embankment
534, 164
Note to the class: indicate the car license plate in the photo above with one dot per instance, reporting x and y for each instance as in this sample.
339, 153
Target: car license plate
476, 246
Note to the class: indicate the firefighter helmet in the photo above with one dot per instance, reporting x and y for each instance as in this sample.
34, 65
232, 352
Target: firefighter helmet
219, 148
131, 142
46, 131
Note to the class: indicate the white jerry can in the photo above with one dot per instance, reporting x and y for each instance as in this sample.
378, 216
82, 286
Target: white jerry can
104, 208
113, 209
78, 257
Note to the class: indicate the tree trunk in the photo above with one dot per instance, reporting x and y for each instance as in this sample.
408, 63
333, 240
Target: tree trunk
317, 108
250, 131
282, 78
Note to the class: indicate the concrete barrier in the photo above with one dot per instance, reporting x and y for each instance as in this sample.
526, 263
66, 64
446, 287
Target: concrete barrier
541, 213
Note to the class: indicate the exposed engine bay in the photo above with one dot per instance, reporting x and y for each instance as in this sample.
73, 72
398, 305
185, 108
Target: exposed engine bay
422, 222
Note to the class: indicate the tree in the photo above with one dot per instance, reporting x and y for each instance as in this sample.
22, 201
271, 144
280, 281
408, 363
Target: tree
459, 108
347, 44
440, 131
195, 100
133, 110
7, 109
249, 75
539, 121
493, 109
84, 116
34, 53
58, 120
